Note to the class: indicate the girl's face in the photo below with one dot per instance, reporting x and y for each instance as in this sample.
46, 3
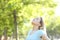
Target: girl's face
36, 22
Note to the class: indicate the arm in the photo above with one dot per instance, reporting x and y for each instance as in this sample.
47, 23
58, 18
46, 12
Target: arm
44, 37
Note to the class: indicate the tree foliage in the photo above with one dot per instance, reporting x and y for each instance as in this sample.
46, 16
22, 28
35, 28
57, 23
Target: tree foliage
25, 10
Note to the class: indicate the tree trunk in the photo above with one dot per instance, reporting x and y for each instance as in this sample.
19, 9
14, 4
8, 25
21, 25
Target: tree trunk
15, 24
0, 37
5, 33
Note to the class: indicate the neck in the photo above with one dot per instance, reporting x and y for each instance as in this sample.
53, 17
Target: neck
35, 28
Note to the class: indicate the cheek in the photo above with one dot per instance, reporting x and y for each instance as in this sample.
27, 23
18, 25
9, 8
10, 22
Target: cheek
38, 24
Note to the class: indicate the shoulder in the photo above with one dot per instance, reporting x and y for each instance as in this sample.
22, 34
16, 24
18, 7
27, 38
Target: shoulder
29, 31
41, 32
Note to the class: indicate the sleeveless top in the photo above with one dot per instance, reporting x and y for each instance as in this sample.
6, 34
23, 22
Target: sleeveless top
36, 35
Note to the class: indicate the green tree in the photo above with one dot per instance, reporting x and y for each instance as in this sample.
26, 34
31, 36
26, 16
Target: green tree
25, 10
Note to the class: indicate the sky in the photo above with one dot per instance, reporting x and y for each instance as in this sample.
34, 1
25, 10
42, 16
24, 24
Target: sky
57, 10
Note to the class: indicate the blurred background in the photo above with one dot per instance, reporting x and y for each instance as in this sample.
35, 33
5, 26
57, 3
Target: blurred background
16, 17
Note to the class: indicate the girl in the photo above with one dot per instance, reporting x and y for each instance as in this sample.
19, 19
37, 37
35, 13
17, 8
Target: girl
37, 32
